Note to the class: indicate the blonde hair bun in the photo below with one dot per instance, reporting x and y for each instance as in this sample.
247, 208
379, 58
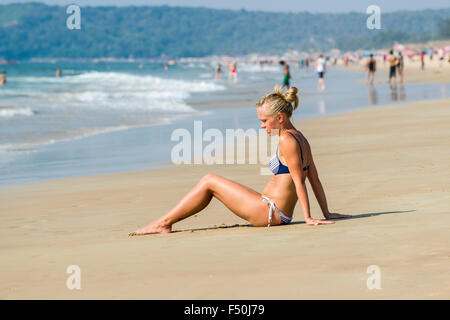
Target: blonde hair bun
278, 101
291, 96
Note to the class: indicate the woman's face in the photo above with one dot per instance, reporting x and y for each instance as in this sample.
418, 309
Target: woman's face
269, 123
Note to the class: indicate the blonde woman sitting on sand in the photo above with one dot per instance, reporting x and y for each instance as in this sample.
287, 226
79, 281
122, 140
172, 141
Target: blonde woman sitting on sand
291, 165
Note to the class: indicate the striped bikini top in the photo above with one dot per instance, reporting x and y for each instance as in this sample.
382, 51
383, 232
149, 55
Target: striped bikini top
277, 167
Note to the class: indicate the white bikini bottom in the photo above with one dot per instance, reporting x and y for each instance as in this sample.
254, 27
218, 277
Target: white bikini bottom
284, 219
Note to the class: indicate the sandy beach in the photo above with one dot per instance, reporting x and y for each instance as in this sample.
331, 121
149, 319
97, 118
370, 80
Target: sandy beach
387, 166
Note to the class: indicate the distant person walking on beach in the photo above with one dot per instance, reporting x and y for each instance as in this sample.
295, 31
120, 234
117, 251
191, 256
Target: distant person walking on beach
3, 78
291, 165
392, 66
441, 55
371, 66
233, 71
400, 66
286, 75
422, 60
218, 70
320, 67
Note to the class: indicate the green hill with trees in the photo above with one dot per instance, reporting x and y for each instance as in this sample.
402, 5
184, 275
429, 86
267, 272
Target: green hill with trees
35, 30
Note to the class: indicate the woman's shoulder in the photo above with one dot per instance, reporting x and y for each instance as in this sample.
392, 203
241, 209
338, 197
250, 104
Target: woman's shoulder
291, 136
301, 134
304, 139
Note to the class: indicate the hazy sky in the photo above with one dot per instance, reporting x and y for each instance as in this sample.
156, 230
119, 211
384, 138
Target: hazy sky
268, 5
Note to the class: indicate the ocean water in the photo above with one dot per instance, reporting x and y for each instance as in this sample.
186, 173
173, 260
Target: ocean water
36, 108
114, 117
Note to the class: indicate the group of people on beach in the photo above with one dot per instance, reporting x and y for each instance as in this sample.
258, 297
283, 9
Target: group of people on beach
319, 66
396, 65
232, 66
395, 59
441, 52
396, 62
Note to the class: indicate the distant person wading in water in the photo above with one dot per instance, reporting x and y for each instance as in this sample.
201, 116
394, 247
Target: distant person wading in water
218, 71
291, 165
3, 78
286, 75
371, 67
233, 71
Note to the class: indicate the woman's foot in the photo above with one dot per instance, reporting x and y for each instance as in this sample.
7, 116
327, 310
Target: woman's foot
152, 228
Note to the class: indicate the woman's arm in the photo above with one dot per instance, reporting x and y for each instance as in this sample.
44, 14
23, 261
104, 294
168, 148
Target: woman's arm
289, 148
318, 189
313, 177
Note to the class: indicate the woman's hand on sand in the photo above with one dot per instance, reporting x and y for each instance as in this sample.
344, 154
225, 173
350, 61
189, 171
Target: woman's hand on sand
338, 216
315, 222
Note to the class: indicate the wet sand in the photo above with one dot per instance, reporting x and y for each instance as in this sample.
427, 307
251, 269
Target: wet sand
387, 166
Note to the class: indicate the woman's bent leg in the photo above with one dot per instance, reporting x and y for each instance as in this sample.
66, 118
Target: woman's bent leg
243, 201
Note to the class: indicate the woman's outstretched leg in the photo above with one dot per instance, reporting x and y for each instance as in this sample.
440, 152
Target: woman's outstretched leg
243, 201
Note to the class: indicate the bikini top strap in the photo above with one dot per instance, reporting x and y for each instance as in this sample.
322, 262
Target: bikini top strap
299, 144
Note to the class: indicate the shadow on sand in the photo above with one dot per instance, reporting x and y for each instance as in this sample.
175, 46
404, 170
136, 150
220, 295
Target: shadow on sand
356, 216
